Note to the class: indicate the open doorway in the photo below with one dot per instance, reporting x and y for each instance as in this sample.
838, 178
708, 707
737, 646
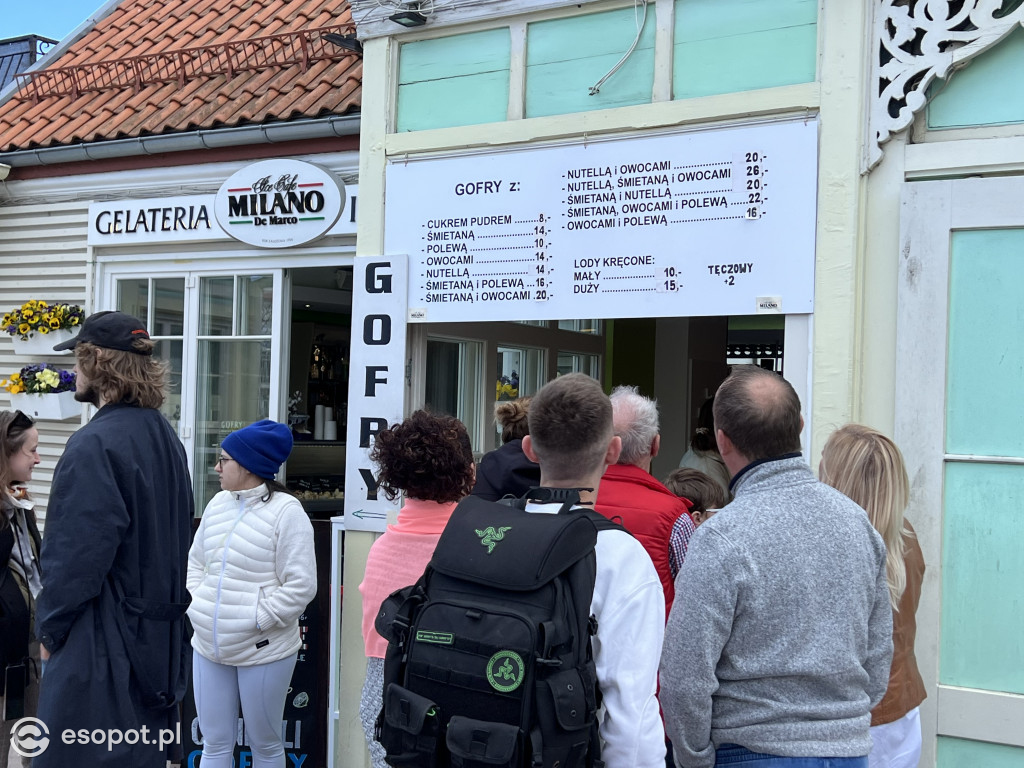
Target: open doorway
468, 367
317, 394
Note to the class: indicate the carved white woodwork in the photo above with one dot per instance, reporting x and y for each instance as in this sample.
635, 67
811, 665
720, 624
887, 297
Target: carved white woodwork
917, 41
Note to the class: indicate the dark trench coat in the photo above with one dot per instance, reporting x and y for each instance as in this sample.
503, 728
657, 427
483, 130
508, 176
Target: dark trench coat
115, 544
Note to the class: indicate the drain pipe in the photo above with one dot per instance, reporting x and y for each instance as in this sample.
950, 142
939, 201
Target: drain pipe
247, 135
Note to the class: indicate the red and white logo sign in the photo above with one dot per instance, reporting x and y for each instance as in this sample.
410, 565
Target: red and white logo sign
279, 203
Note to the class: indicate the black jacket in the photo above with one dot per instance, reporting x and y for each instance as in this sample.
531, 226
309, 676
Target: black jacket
505, 471
14, 611
111, 610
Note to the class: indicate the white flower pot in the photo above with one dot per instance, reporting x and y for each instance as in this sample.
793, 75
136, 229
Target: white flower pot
50, 407
42, 343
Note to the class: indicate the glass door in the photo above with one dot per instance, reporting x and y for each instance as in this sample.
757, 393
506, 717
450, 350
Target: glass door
221, 335
453, 382
160, 303
520, 373
234, 349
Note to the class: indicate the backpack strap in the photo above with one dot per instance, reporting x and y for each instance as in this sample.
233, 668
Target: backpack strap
570, 498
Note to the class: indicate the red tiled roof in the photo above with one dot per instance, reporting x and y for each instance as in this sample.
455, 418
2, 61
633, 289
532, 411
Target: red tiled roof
164, 66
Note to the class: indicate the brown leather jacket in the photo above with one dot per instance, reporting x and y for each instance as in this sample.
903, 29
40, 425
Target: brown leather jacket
906, 689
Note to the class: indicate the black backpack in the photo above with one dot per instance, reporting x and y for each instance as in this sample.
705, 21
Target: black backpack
489, 659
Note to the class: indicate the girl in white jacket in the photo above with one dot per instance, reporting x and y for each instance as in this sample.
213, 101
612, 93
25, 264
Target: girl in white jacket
251, 573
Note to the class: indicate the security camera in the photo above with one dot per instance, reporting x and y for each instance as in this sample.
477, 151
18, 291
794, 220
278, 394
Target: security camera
5, 171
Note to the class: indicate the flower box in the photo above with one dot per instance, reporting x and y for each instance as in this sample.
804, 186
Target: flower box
53, 406
43, 343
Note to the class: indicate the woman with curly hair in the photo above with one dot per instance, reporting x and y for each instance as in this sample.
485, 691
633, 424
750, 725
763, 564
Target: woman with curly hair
429, 459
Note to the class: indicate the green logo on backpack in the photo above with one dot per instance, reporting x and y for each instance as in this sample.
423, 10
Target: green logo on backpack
489, 536
505, 671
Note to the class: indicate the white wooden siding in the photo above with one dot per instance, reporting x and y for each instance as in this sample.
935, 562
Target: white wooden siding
43, 255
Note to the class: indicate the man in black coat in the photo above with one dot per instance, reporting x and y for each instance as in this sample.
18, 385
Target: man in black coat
115, 545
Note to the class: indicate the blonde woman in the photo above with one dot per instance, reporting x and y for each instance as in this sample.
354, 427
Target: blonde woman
868, 467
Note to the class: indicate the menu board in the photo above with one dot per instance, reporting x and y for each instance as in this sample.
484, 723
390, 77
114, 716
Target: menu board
712, 222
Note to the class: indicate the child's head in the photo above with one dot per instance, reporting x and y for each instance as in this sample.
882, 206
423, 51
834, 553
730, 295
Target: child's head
705, 494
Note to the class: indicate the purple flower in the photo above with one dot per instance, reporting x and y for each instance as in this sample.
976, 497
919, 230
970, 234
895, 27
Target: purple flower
67, 381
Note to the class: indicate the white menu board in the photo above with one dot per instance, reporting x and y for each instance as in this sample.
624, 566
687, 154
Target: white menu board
715, 222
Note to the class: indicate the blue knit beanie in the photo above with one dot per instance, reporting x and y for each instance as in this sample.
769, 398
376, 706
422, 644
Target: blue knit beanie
261, 447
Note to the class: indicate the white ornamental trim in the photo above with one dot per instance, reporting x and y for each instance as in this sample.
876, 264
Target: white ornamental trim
919, 41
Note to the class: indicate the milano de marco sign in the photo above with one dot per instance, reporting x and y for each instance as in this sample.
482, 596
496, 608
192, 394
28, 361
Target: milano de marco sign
279, 203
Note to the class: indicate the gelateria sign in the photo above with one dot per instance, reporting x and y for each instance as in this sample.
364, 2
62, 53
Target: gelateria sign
279, 203
180, 219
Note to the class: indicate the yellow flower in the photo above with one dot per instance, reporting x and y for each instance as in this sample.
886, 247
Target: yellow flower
74, 321
14, 385
49, 377
24, 328
43, 329
55, 323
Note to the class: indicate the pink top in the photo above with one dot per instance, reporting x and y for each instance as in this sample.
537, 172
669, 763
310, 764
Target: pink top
397, 559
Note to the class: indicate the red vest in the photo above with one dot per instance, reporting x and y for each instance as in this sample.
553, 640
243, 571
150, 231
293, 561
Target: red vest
647, 509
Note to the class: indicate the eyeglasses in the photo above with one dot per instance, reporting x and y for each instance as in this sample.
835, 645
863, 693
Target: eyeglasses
222, 459
19, 423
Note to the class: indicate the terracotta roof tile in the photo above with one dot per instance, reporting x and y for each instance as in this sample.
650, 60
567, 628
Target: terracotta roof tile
265, 82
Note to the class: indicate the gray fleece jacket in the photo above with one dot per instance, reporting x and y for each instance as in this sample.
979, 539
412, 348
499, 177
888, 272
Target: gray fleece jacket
780, 637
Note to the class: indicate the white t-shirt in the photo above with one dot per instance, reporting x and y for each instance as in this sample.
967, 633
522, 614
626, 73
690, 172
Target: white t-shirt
629, 606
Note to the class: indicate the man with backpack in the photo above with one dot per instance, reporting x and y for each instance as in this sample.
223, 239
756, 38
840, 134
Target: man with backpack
489, 660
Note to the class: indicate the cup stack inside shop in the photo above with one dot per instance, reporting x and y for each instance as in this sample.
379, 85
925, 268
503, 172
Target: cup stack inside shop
318, 422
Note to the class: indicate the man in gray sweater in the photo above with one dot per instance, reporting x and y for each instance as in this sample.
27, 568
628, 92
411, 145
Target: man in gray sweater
780, 638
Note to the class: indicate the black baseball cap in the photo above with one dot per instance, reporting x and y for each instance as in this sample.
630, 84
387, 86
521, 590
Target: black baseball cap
110, 330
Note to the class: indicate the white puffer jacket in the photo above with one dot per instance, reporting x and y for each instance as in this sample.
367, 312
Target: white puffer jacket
251, 573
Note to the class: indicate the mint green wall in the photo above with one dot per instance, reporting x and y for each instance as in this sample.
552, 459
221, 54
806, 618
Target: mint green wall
982, 635
986, 92
961, 753
985, 376
726, 46
720, 46
456, 80
983, 525
564, 57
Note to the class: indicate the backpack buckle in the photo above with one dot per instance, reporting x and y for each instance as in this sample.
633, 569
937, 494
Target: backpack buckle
592, 625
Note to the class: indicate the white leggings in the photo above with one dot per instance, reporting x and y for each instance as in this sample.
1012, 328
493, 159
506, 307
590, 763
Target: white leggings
262, 689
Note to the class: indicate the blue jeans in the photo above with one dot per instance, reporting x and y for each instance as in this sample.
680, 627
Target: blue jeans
735, 755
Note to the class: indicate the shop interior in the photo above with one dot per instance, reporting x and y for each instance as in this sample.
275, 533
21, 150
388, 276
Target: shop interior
321, 322
469, 366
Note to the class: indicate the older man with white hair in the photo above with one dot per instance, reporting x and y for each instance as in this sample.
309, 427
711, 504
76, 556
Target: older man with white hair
630, 494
